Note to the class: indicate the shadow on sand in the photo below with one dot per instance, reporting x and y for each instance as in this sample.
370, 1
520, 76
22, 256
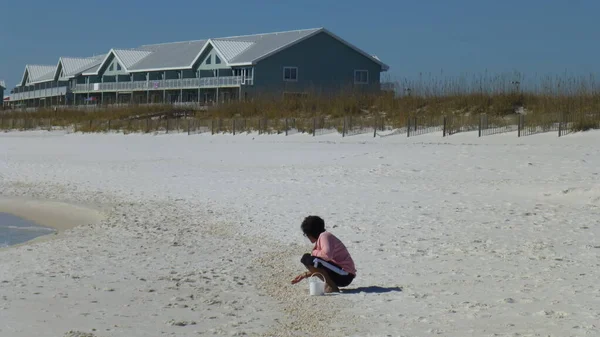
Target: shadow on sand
371, 290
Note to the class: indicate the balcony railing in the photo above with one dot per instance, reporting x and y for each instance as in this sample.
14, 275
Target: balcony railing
186, 83
41, 93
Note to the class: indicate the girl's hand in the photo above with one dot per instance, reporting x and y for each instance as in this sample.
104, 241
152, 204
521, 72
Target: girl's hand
299, 278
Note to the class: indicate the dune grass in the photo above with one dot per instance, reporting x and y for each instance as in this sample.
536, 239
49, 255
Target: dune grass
426, 100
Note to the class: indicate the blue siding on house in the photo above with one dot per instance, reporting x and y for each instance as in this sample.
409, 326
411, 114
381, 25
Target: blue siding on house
325, 65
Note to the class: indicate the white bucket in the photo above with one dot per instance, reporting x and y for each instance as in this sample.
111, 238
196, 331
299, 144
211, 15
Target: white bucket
316, 285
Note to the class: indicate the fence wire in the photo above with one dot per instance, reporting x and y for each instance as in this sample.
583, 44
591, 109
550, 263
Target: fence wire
324, 126
457, 124
359, 125
525, 125
536, 124
493, 125
421, 125
199, 126
582, 121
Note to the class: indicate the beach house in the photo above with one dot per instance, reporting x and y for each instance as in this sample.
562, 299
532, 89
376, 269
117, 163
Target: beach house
205, 71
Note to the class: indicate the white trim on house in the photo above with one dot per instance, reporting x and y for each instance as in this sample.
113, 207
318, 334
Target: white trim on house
112, 51
290, 79
242, 64
59, 65
221, 56
356, 71
26, 72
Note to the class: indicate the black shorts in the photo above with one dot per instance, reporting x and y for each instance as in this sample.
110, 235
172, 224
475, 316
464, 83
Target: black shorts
340, 277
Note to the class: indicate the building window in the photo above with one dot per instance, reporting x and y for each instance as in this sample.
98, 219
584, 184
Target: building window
361, 77
118, 67
217, 60
290, 74
209, 59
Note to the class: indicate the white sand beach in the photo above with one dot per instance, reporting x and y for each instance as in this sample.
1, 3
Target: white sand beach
199, 235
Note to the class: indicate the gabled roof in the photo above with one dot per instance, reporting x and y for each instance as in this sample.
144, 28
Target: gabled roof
73, 66
235, 51
38, 73
126, 58
265, 45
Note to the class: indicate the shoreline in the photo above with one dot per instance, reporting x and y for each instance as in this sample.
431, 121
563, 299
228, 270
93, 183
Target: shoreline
56, 215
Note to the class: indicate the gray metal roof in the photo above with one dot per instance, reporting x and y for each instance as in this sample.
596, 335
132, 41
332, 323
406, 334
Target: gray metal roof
230, 48
265, 44
236, 50
92, 70
169, 55
129, 57
40, 73
73, 66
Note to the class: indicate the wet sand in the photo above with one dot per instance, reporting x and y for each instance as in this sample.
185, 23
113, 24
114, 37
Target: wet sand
57, 215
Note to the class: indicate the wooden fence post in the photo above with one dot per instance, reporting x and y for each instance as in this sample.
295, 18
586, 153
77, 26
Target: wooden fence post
314, 126
560, 121
286, 127
344, 128
375, 128
408, 127
445, 126
233, 126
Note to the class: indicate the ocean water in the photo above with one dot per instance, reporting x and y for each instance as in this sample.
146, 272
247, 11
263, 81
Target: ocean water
15, 230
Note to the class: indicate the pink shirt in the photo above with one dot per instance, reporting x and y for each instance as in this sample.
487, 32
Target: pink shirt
331, 249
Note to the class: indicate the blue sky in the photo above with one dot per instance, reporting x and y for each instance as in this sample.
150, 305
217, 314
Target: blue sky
426, 36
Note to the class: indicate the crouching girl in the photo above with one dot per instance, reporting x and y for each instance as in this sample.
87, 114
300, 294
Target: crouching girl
329, 256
